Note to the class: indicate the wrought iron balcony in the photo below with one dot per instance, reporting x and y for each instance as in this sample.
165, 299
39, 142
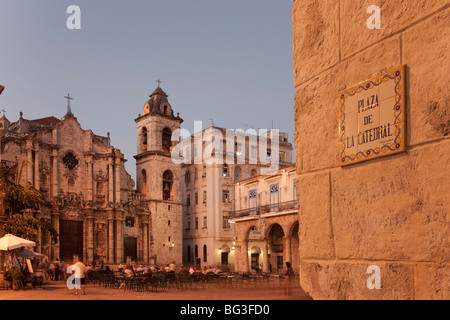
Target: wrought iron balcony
273, 208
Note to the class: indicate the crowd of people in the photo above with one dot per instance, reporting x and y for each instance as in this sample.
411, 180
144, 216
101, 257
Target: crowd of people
131, 270
60, 270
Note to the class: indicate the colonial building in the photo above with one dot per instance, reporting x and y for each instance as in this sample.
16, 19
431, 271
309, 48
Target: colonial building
266, 222
208, 190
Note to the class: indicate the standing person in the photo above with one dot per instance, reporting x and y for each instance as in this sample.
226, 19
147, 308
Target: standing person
289, 276
80, 277
57, 267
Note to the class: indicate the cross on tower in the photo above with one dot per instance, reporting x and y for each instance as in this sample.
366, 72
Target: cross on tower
3, 110
68, 97
159, 82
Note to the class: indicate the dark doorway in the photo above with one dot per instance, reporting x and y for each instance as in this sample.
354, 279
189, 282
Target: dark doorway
255, 261
130, 248
71, 239
224, 258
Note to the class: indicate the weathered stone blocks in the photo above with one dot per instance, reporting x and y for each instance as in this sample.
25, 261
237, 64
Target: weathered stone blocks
391, 212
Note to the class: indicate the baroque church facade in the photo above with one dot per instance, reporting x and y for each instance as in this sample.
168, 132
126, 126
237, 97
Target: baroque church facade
89, 196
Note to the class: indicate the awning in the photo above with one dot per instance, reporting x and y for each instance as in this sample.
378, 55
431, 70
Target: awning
10, 242
29, 254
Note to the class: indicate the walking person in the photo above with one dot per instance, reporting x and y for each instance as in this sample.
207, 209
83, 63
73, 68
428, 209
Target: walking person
289, 278
80, 276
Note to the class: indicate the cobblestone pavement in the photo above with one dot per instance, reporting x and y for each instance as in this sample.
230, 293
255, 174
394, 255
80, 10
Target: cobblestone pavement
53, 290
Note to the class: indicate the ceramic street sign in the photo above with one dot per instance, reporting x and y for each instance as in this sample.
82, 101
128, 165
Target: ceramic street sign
372, 118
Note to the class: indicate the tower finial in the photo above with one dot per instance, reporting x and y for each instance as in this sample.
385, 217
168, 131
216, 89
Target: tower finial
159, 82
68, 97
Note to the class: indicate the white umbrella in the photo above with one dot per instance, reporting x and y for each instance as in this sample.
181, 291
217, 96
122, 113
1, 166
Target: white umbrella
10, 242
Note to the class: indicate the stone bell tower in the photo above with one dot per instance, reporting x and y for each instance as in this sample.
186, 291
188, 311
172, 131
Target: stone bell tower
158, 178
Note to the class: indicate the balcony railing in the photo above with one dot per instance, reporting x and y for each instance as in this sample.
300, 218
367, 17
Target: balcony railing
256, 211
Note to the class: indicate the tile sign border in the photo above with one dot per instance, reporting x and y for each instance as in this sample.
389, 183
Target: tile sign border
372, 118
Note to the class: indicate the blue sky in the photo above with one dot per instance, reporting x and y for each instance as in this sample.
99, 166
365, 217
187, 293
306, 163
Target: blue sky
226, 60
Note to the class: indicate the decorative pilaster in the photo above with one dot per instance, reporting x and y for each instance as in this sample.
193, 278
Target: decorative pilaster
145, 242
54, 173
29, 165
117, 179
90, 179
90, 237
266, 256
111, 180
110, 252
36, 167
119, 238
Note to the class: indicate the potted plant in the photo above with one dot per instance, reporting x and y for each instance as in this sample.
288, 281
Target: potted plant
17, 279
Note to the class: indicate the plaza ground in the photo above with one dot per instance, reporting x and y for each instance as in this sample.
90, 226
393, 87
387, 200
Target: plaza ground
57, 290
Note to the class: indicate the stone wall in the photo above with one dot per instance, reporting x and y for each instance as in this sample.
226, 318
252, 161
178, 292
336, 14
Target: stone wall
391, 212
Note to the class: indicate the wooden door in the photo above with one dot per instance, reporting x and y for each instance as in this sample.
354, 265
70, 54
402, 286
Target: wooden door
130, 248
71, 239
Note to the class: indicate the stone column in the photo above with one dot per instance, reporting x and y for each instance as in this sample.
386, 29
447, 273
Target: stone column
117, 178
54, 173
266, 256
36, 167
29, 165
287, 249
119, 238
243, 256
90, 179
90, 237
110, 253
111, 180
145, 242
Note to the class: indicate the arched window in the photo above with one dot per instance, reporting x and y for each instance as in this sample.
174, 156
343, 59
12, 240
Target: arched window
167, 186
253, 173
144, 138
167, 140
144, 181
225, 170
237, 173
